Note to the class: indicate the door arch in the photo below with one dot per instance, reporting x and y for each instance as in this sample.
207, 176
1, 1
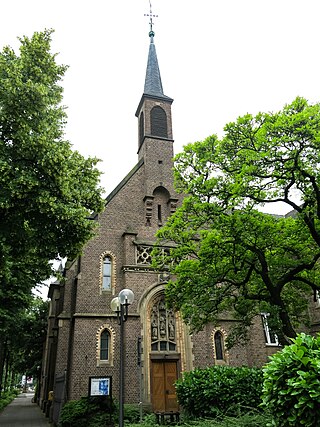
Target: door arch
164, 358
161, 366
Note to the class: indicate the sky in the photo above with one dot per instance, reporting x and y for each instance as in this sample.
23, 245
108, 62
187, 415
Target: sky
219, 59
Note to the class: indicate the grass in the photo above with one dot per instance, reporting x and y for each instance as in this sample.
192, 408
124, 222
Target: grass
249, 420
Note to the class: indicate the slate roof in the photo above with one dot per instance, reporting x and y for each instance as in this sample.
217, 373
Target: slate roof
153, 85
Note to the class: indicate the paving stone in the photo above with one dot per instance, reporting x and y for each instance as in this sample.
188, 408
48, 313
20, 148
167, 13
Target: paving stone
23, 413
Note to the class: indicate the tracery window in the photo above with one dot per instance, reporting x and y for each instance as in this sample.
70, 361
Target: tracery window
163, 327
143, 254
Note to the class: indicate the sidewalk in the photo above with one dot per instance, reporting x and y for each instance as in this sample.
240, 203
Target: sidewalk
22, 413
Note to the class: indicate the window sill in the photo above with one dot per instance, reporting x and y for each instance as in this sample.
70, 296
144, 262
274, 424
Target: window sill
220, 362
103, 363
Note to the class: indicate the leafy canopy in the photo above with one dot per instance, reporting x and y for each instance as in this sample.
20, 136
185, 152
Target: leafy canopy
229, 256
47, 190
26, 342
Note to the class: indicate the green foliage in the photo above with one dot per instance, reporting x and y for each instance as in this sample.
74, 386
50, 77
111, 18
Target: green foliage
291, 388
28, 338
219, 390
7, 397
87, 412
226, 254
251, 419
47, 191
132, 413
21, 350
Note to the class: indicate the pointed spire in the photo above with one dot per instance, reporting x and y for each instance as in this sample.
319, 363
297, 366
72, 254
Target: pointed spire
153, 84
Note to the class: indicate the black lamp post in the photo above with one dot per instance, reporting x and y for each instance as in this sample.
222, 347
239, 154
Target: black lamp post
120, 305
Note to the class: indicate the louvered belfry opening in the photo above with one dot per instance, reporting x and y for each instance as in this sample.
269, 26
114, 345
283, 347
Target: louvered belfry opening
159, 126
141, 128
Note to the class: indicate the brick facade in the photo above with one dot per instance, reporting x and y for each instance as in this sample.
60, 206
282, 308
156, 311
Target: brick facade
134, 211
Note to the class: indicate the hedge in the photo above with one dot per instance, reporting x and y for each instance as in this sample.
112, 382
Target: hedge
220, 390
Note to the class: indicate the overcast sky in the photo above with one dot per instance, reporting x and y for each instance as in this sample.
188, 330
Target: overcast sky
218, 60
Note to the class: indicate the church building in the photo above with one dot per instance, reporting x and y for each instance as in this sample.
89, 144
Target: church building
84, 335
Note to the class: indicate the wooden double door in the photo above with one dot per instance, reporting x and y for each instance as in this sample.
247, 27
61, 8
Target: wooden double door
163, 376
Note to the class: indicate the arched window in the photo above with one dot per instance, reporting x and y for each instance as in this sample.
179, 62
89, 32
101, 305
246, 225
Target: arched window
163, 327
218, 345
104, 345
141, 129
270, 336
159, 125
106, 276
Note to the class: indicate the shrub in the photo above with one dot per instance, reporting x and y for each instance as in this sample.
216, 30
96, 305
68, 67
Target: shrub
7, 397
249, 420
96, 412
87, 412
220, 390
149, 420
291, 388
132, 412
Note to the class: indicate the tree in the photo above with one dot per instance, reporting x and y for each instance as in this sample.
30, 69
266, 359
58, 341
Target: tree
230, 256
28, 342
25, 342
48, 192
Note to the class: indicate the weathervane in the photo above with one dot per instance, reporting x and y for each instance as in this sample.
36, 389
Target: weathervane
151, 15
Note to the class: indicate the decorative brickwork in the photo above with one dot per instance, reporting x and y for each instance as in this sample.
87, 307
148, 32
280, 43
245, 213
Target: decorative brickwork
148, 209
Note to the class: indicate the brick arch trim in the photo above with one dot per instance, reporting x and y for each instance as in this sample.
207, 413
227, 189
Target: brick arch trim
149, 293
225, 351
112, 333
113, 270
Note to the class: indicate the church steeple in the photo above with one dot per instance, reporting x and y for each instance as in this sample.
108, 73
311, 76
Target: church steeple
153, 84
154, 109
155, 142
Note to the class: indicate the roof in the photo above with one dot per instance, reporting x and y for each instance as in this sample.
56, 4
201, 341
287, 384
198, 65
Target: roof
153, 84
124, 181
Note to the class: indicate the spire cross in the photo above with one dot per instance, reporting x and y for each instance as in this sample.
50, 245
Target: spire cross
151, 15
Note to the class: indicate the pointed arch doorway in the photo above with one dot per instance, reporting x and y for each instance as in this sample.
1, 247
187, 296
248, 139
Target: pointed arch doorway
164, 357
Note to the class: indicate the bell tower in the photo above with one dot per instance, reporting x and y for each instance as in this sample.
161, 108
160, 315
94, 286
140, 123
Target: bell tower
155, 138
154, 110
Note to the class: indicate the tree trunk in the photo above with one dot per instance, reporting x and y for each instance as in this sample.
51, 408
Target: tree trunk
6, 375
3, 344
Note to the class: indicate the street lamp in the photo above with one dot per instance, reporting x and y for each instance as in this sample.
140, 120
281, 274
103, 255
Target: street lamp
120, 305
